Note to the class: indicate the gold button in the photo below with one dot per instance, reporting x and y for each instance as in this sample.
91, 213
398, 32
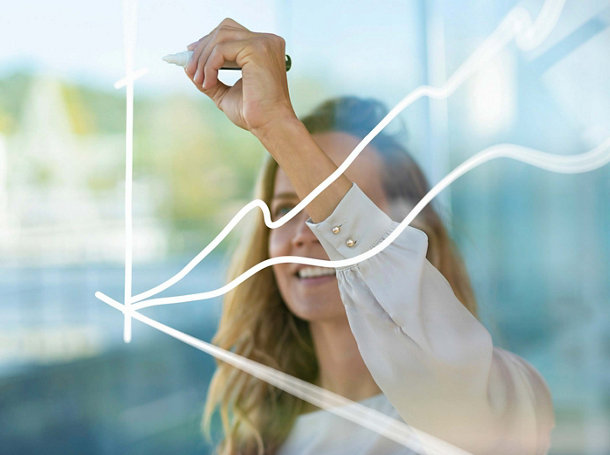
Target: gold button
350, 242
336, 229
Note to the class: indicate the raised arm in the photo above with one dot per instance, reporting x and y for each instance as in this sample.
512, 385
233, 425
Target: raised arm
260, 102
433, 360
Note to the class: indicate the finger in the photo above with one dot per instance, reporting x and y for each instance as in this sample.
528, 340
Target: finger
222, 35
215, 61
214, 93
190, 77
197, 49
221, 53
217, 92
192, 46
231, 22
213, 87
198, 46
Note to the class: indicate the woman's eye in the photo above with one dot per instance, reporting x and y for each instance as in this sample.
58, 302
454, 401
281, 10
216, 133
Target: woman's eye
281, 211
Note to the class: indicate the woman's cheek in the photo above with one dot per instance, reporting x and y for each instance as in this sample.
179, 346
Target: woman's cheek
279, 244
273, 246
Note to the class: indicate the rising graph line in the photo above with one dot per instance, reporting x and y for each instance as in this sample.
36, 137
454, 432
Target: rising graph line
567, 164
517, 25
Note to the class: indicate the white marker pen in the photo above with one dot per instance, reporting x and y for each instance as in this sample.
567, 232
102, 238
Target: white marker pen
182, 58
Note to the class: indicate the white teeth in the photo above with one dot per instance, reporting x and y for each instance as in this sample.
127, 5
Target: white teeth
311, 272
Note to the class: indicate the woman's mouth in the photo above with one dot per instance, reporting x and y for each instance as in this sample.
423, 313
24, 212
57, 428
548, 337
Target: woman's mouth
315, 275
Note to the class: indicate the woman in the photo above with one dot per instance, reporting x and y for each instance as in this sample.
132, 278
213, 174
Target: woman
397, 331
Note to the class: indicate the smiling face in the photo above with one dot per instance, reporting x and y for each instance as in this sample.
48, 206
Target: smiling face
307, 295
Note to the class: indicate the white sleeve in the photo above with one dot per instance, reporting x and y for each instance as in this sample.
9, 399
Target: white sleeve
430, 356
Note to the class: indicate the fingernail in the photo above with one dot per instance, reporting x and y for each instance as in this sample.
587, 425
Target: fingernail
195, 76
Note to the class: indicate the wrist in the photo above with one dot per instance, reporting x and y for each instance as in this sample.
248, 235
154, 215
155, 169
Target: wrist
284, 121
304, 162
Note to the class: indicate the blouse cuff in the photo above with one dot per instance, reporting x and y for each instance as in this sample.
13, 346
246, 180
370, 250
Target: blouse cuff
355, 226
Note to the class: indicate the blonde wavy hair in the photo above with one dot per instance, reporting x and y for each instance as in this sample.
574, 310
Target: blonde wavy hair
255, 323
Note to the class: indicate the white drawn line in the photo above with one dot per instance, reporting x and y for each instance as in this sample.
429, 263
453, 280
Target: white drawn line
372, 419
129, 42
517, 24
130, 78
568, 164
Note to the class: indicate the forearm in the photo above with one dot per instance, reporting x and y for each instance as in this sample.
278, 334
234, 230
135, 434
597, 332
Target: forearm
261, 104
305, 164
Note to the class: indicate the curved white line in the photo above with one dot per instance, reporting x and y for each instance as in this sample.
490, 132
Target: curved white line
567, 164
130, 78
528, 35
372, 419
517, 24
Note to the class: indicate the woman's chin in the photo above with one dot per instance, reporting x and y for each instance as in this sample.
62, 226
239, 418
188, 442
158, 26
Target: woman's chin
310, 309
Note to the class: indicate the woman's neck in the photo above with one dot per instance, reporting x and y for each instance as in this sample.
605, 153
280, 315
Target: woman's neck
341, 368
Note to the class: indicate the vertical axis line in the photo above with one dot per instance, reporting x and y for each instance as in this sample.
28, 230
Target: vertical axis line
129, 7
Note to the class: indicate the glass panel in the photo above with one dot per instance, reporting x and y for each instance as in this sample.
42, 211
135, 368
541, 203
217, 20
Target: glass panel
535, 243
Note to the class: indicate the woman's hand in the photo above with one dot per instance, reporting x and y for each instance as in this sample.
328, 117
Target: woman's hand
259, 102
260, 97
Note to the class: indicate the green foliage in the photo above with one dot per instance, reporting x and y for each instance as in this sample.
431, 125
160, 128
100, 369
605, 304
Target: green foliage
93, 111
12, 91
199, 168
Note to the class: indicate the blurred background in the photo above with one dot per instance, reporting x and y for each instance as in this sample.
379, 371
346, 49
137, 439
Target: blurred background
537, 244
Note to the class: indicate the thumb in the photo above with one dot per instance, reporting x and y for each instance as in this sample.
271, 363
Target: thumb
216, 92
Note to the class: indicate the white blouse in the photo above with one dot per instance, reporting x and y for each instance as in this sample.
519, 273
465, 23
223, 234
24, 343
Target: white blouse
321, 433
433, 360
